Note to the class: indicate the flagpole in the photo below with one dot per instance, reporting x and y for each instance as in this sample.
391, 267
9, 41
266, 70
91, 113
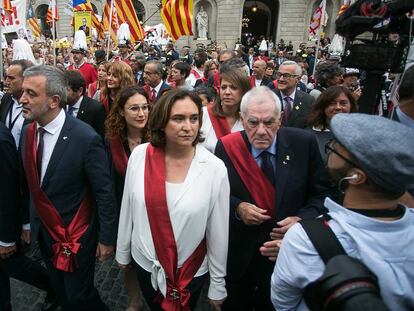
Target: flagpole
109, 29
54, 31
318, 45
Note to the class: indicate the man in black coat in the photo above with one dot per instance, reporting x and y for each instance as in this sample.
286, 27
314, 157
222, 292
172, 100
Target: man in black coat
13, 263
275, 180
83, 107
296, 104
10, 107
73, 207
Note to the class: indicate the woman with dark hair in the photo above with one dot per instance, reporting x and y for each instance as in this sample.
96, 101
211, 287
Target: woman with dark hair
100, 83
126, 128
224, 116
335, 99
179, 193
327, 74
210, 68
119, 76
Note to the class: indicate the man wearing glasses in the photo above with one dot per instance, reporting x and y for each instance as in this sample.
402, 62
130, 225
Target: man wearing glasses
371, 162
155, 86
275, 180
296, 103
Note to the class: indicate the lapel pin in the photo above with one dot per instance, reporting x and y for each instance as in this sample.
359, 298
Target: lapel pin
287, 157
65, 137
297, 107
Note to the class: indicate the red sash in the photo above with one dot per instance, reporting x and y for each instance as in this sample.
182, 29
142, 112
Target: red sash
119, 156
252, 81
104, 101
195, 73
66, 244
220, 125
261, 190
177, 296
217, 82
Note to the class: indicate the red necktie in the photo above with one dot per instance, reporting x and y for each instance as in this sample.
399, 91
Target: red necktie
153, 96
39, 151
286, 110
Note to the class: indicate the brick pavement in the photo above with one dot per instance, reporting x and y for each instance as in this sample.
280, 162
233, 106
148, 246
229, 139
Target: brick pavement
108, 281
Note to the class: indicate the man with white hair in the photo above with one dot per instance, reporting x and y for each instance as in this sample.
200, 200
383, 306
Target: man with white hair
275, 180
296, 104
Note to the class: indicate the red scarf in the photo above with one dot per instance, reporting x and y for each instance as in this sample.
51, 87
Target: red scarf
252, 81
104, 101
261, 190
195, 73
220, 125
119, 156
177, 296
66, 244
217, 82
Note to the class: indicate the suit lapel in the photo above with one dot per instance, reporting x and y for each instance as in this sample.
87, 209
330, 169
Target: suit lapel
60, 147
6, 106
82, 109
284, 155
296, 108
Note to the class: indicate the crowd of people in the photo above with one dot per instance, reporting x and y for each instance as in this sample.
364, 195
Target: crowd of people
200, 167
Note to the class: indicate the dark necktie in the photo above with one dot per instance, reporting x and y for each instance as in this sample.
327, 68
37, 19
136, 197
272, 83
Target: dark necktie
39, 151
267, 167
286, 110
71, 111
153, 96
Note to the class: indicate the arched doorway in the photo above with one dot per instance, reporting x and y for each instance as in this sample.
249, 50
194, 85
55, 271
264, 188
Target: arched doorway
139, 10
259, 19
41, 13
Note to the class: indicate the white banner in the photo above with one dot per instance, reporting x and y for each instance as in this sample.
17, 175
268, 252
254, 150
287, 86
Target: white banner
17, 19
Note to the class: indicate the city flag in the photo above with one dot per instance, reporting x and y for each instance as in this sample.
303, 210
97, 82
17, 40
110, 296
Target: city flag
85, 5
105, 21
31, 20
317, 18
52, 12
127, 14
177, 16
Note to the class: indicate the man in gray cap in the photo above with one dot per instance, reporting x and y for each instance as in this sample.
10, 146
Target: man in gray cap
372, 162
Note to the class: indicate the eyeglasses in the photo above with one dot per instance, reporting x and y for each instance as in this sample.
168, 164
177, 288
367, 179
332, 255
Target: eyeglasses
253, 123
329, 148
285, 75
136, 109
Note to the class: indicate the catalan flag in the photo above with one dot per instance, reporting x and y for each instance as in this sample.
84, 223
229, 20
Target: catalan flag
177, 16
31, 20
344, 6
317, 18
52, 12
127, 14
7, 6
85, 5
105, 21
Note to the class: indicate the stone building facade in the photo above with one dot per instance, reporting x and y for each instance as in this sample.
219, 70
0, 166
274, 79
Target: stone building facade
229, 20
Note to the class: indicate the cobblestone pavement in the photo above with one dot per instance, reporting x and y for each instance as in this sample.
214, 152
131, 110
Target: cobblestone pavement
108, 280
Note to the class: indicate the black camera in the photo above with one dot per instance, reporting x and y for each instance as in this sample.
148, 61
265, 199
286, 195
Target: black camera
346, 285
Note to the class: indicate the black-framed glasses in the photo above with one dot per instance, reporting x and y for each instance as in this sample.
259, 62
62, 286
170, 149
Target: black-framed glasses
329, 148
285, 75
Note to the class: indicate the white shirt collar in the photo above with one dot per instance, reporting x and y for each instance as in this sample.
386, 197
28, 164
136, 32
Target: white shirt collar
292, 96
158, 87
56, 124
77, 104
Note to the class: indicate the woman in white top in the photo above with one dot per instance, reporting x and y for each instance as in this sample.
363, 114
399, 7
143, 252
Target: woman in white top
175, 209
224, 116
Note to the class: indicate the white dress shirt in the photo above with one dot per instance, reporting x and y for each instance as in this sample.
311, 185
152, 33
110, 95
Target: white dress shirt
207, 129
14, 120
50, 137
76, 107
198, 208
292, 99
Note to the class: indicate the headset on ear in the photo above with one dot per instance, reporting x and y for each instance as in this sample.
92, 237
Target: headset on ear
353, 177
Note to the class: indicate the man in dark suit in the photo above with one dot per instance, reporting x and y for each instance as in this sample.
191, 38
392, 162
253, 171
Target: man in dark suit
296, 104
13, 263
155, 86
10, 108
81, 106
73, 208
275, 181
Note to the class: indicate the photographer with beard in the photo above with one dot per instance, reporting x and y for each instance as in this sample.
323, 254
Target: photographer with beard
371, 161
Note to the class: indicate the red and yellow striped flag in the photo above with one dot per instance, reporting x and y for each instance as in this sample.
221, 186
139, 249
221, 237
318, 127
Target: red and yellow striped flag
88, 7
31, 20
50, 14
127, 14
177, 16
105, 22
7, 6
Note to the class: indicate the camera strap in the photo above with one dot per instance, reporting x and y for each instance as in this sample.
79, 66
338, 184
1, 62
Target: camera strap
323, 238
